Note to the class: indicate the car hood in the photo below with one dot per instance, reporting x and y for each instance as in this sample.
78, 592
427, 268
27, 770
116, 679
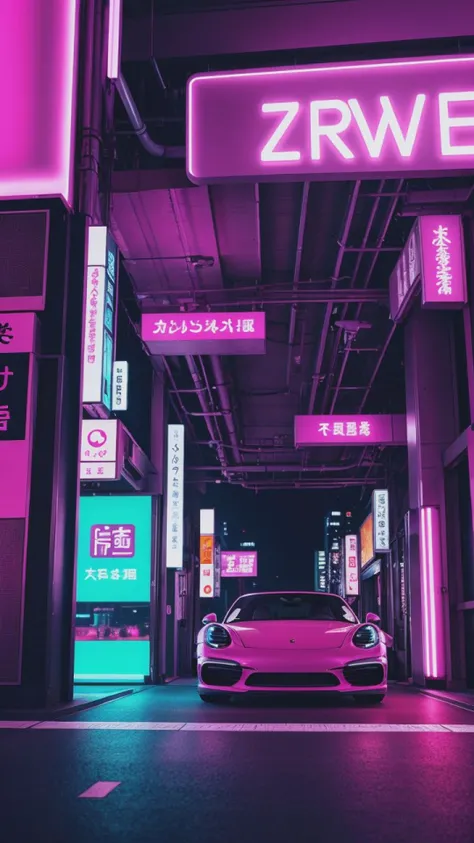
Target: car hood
292, 635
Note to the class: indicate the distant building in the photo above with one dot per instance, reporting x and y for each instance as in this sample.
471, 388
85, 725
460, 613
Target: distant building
337, 525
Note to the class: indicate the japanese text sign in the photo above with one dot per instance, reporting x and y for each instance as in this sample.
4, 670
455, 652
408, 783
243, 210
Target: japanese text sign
14, 394
175, 497
344, 121
434, 254
120, 387
99, 317
381, 516
204, 333
351, 565
237, 563
114, 549
350, 430
38, 41
443, 276
17, 333
99, 449
208, 586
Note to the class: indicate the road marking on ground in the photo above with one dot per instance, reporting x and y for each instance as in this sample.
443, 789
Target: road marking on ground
321, 728
99, 790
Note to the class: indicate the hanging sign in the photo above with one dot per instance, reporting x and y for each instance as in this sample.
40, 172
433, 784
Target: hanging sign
175, 497
238, 563
350, 430
433, 255
207, 549
351, 120
120, 387
99, 318
351, 565
178, 334
99, 449
381, 515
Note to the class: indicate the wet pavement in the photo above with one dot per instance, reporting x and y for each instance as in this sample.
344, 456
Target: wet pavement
162, 766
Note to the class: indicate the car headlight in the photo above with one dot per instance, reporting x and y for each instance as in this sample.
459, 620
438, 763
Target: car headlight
217, 636
366, 637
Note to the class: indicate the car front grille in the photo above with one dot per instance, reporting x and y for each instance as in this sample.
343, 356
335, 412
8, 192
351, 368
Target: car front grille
220, 673
363, 675
292, 680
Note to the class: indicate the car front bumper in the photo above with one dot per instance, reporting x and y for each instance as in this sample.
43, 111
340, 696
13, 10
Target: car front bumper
304, 671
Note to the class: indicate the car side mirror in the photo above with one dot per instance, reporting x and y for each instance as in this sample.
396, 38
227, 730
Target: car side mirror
372, 618
212, 618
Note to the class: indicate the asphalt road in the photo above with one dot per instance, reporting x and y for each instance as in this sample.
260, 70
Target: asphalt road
182, 771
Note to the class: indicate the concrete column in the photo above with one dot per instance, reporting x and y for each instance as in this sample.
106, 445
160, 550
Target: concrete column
431, 427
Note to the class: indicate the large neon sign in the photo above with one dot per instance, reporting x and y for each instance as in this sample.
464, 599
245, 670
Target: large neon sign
391, 117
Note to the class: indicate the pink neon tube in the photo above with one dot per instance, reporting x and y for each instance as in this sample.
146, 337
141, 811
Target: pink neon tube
431, 596
114, 39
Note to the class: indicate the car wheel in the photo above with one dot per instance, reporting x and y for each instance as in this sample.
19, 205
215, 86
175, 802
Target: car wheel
215, 698
370, 699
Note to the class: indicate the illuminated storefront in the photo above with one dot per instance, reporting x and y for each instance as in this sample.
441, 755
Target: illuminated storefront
113, 589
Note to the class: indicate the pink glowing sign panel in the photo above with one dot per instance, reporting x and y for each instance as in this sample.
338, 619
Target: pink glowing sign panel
204, 333
434, 253
17, 333
37, 73
443, 277
343, 120
349, 430
239, 563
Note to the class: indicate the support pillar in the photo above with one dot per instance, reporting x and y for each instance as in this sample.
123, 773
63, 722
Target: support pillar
41, 605
431, 426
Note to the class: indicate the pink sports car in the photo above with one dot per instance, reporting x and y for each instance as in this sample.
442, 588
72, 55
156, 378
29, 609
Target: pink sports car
292, 641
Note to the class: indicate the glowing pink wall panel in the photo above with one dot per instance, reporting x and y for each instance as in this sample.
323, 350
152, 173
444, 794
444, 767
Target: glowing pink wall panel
434, 660
343, 121
37, 80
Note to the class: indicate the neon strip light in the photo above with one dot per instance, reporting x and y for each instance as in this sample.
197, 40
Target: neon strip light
114, 39
431, 598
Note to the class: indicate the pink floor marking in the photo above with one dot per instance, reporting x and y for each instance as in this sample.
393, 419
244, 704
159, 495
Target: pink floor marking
99, 790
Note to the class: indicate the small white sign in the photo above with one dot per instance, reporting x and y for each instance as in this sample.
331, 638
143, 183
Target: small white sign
99, 449
120, 386
351, 566
175, 495
380, 510
207, 522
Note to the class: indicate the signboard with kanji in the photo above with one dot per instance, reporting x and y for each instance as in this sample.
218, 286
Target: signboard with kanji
114, 549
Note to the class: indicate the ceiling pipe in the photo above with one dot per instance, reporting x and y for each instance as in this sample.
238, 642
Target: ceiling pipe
201, 394
226, 407
327, 318
139, 127
368, 229
296, 277
380, 239
296, 468
223, 298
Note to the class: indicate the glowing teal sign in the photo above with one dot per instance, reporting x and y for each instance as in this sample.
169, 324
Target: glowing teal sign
114, 549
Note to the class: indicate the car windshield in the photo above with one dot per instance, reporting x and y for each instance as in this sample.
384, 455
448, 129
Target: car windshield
290, 607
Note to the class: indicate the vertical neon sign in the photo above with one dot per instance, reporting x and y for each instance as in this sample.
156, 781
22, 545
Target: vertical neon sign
175, 494
434, 663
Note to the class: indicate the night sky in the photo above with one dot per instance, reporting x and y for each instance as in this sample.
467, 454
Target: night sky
287, 527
